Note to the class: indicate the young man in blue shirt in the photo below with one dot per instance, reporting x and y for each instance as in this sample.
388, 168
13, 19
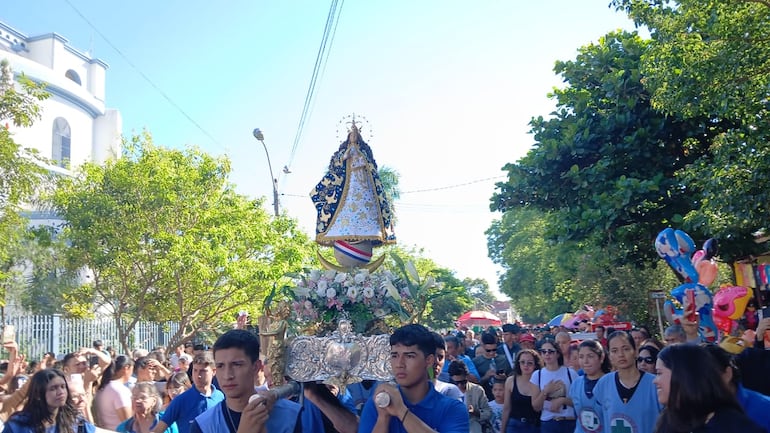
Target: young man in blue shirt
203, 395
236, 357
415, 406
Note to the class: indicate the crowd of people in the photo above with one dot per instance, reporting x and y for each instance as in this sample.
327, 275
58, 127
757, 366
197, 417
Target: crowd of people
508, 380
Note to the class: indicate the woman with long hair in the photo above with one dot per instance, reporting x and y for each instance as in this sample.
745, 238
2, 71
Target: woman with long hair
146, 406
594, 363
177, 383
696, 398
518, 414
626, 397
113, 398
552, 382
49, 408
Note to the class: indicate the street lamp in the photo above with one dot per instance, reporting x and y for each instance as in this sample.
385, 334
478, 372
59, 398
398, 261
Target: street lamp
261, 138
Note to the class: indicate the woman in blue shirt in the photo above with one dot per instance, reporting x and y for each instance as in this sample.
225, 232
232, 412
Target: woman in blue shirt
594, 363
49, 408
626, 398
146, 403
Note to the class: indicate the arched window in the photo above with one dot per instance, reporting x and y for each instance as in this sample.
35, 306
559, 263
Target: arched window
60, 153
72, 75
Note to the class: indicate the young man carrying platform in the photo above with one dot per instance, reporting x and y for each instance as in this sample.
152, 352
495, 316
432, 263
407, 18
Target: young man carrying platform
415, 406
236, 357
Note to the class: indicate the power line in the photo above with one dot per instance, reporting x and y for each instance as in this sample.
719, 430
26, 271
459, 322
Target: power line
453, 186
330, 29
144, 76
438, 188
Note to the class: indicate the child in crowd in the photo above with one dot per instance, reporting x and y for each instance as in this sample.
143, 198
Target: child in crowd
498, 391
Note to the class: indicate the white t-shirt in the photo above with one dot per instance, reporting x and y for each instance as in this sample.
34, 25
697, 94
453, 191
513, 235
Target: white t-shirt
497, 416
112, 397
543, 376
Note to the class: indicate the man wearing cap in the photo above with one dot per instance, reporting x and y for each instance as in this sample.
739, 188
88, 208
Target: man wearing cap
527, 341
510, 344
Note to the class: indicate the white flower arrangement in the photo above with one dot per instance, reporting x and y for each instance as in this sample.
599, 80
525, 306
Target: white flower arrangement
323, 296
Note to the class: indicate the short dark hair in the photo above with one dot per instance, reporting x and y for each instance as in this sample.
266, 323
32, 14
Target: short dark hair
512, 328
458, 368
438, 341
414, 335
68, 356
488, 338
452, 339
98, 343
204, 359
239, 339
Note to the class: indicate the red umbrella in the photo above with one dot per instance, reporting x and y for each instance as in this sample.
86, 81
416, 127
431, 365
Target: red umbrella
479, 318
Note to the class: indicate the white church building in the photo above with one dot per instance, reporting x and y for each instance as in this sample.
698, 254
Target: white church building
75, 126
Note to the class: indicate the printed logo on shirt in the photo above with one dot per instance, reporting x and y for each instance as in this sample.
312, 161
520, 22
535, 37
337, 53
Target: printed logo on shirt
622, 424
590, 421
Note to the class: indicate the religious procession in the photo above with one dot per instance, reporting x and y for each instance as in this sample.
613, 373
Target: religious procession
634, 216
345, 354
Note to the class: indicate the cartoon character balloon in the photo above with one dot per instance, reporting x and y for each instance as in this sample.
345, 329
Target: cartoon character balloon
678, 250
730, 303
676, 247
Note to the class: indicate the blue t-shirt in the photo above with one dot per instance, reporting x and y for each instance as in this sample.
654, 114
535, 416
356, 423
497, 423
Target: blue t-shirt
20, 422
756, 405
439, 412
189, 404
312, 417
127, 426
638, 415
444, 375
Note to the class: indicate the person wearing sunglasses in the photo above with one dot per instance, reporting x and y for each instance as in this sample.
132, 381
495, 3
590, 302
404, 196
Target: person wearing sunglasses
518, 414
646, 360
474, 397
490, 364
553, 380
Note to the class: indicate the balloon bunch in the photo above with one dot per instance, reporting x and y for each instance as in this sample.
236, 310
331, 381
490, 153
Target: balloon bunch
696, 270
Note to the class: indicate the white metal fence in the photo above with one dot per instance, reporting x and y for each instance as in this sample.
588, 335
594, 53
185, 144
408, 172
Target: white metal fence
37, 335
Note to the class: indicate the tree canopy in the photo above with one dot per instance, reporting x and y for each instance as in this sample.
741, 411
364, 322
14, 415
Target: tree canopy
712, 58
167, 238
604, 165
20, 175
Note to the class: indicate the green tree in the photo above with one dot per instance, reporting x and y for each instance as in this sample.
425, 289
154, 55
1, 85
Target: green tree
711, 58
20, 175
43, 284
531, 268
545, 278
390, 179
167, 238
447, 308
603, 167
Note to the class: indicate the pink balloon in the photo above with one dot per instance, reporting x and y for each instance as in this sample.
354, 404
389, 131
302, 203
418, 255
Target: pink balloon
707, 272
697, 257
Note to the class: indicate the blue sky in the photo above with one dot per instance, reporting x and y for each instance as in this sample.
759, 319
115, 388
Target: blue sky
447, 88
